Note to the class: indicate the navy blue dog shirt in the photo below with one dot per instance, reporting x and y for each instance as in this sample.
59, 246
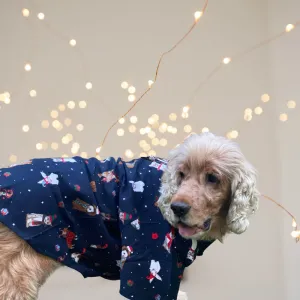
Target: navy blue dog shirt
101, 219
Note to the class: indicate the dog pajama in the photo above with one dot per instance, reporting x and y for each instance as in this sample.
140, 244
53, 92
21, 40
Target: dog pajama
101, 219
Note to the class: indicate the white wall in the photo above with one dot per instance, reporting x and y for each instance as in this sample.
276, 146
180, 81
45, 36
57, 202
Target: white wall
285, 66
122, 41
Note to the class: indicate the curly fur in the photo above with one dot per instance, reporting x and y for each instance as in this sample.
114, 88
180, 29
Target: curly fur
210, 153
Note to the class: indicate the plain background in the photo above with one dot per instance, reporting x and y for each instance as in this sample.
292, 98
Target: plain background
122, 41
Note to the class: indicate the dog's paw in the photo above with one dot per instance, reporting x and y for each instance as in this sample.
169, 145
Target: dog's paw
182, 296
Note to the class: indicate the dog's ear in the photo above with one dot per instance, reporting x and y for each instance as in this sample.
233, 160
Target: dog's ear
244, 200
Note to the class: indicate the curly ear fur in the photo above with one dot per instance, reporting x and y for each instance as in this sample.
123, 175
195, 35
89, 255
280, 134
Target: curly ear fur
244, 200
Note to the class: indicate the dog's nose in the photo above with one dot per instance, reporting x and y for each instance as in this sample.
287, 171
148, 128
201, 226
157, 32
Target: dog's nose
180, 209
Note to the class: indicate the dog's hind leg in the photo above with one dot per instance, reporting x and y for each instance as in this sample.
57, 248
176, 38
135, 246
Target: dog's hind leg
22, 270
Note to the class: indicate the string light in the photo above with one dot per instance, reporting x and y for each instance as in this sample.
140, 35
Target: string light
151, 135
291, 104
27, 67
131, 98
13, 158
32, 93
163, 127
84, 154
173, 117
73, 43
61, 107
41, 16
54, 114
71, 104
232, 134
142, 143
198, 15
157, 70
89, 86
185, 109
174, 130
68, 122
226, 60
155, 142
185, 115
187, 128
170, 129
143, 154
133, 119
163, 142
122, 121
131, 90
82, 104
98, 150
289, 27
124, 85
205, 129
265, 98
120, 132
142, 131
147, 129
132, 129
283, 117
146, 147
258, 110
45, 124
129, 153
150, 83
54, 146
25, 128
152, 153
25, 12
80, 127
39, 146
5, 97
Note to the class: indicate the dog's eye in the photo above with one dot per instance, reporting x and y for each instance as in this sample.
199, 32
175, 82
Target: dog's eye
181, 175
211, 178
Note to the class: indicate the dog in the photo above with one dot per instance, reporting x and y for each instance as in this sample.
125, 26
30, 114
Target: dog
160, 214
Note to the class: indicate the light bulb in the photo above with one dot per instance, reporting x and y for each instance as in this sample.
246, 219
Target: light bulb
132, 129
89, 86
27, 67
151, 121
291, 104
41, 16
294, 224
61, 107
295, 234
152, 153
39, 146
226, 60
187, 128
142, 143
56, 124
98, 150
174, 130
69, 136
73, 43
133, 119
124, 85
173, 117
146, 147
120, 132
155, 117
13, 158
265, 98
82, 104
170, 129
163, 142
150, 83
205, 129
25, 12
84, 154
131, 98
54, 146
198, 15
248, 111
185, 115
147, 129
45, 124
142, 131
71, 104
68, 122
25, 128
258, 110
248, 117
79, 127
289, 27
155, 142
129, 153
32, 93
151, 135
131, 90
143, 154
122, 121
283, 117
186, 109
54, 114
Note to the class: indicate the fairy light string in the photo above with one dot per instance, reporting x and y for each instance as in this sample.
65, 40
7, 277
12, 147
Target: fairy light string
197, 17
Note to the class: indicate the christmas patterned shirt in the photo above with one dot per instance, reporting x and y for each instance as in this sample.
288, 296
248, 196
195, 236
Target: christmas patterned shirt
99, 217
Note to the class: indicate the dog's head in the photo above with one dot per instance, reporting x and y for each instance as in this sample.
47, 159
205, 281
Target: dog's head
209, 188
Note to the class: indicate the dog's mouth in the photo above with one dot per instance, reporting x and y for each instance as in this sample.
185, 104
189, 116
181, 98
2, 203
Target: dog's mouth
188, 231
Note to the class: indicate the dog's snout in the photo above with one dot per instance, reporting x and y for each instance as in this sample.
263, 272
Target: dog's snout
180, 209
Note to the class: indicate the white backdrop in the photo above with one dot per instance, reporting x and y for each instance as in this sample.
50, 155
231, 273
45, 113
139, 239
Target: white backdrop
122, 41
